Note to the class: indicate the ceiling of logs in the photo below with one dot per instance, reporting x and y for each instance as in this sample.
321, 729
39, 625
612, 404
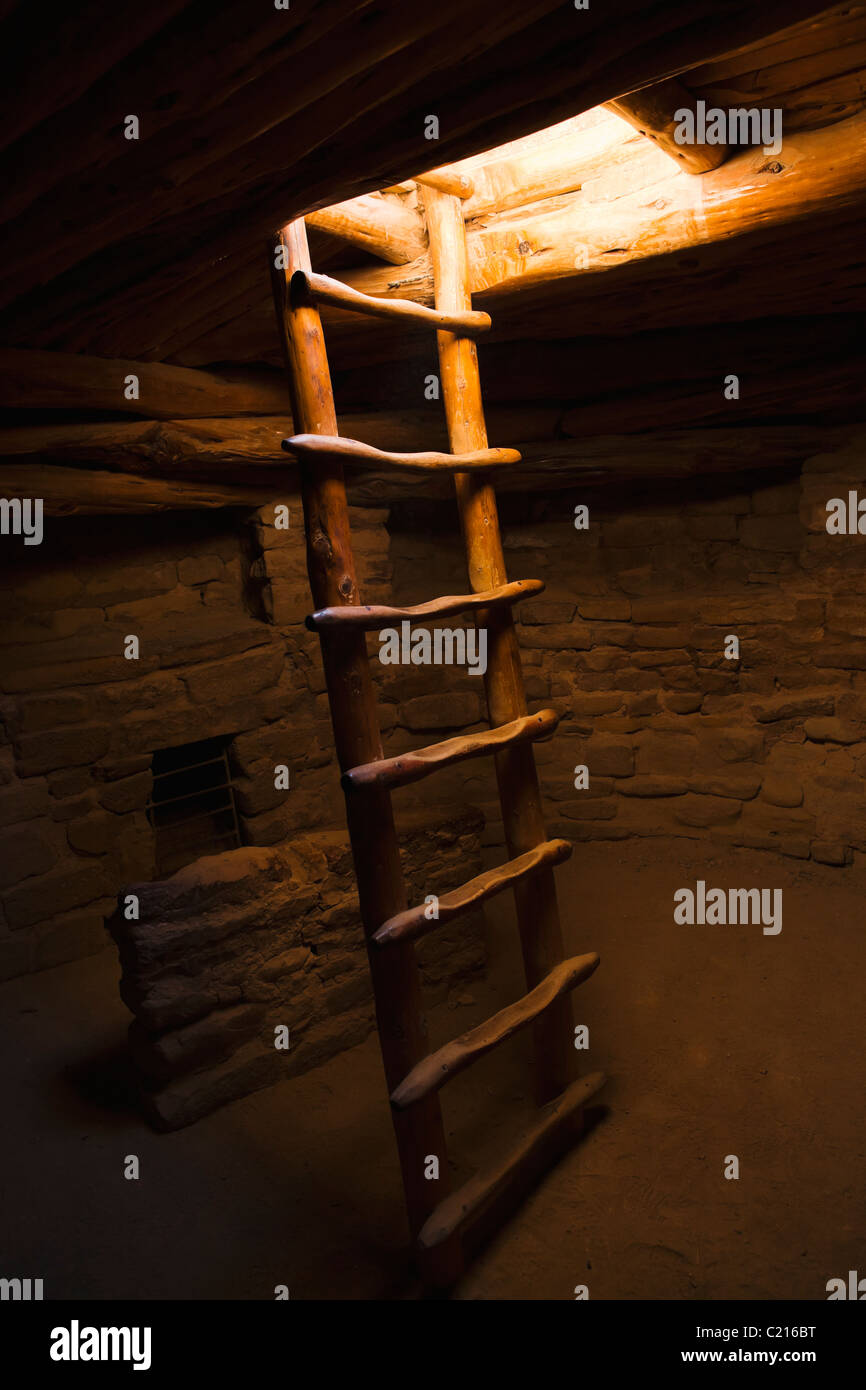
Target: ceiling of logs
597, 256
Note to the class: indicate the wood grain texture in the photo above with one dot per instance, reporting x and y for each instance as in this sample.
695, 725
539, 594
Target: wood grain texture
354, 718
517, 780
414, 922
448, 180
226, 97
411, 767
448, 1061
71, 381
325, 290
387, 227
652, 112
212, 461
98, 492
371, 616
354, 451
508, 1171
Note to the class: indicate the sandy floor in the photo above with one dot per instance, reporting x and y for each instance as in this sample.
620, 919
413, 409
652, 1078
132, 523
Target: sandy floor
717, 1040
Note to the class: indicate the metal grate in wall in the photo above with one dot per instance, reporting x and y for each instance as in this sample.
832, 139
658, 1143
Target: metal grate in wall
192, 805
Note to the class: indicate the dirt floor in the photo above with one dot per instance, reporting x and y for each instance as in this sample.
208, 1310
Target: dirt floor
717, 1041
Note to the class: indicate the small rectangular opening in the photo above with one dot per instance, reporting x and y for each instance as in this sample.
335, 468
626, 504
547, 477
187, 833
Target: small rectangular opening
192, 805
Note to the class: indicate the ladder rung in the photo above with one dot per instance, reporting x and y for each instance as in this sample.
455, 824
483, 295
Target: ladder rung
408, 925
370, 616
354, 451
443, 1064
420, 762
506, 1173
322, 289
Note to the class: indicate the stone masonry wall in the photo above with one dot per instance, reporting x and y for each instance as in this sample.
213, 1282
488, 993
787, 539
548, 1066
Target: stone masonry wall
239, 944
628, 644
217, 603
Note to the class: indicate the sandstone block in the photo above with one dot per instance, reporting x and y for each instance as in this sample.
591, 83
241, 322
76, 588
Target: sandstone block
23, 852
200, 569
603, 808
596, 701
76, 746
557, 636
831, 852
71, 937
782, 790
67, 886
793, 706
741, 786
542, 610
606, 756
833, 730
15, 956
662, 610
94, 834
703, 811
615, 610
47, 711
771, 532
648, 785
450, 710
682, 701
126, 794
662, 638
672, 754
736, 745
23, 801
235, 677
221, 954
115, 585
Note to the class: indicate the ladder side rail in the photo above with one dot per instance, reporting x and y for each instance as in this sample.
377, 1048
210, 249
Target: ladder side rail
519, 795
375, 848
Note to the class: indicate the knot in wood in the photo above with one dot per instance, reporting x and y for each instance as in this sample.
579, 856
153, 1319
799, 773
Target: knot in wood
320, 542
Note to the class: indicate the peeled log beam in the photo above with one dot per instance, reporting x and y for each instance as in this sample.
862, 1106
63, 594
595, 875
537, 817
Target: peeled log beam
201, 445
818, 171
91, 492
440, 1066
627, 383
447, 180
529, 72
237, 114
370, 616
379, 224
414, 922
507, 1175
420, 762
72, 381
170, 451
354, 451
652, 112
583, 463
547, 164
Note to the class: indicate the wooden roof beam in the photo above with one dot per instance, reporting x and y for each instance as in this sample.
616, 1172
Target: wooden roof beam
169, 466
653, 111
613, 223
376, 222
225, 184
447, 180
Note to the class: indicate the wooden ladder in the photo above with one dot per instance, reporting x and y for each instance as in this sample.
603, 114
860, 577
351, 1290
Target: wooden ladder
414, 1075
